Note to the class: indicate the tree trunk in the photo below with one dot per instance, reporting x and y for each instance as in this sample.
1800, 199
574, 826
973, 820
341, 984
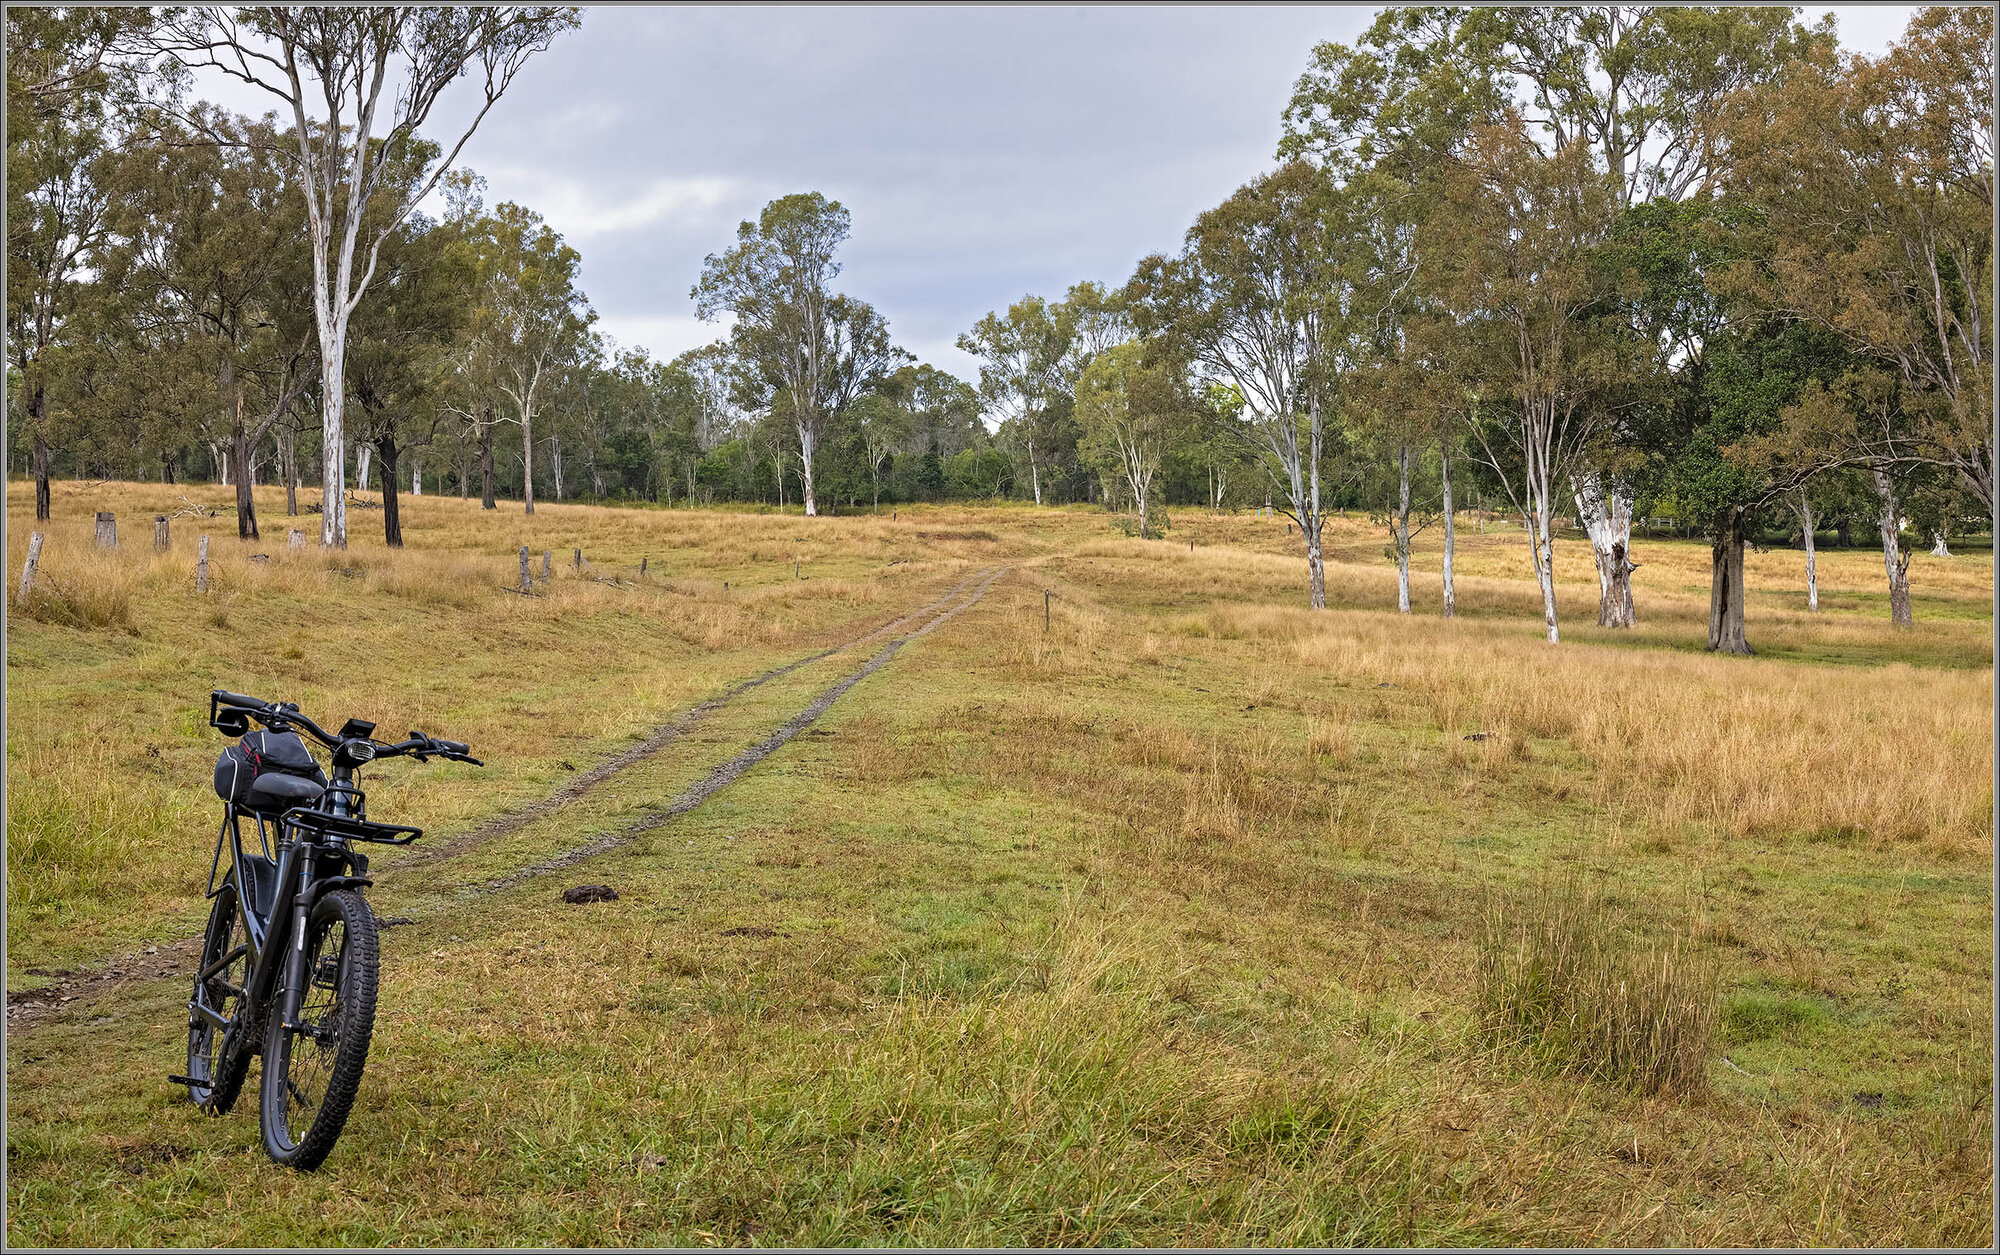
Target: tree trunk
1143, 533
1938, 547
166, 468
1894, 560
528, 459
1315, 570
1725, 588
362, 454
556, 463
1812, 557
806, 474
1034, 472
333, 435
291, 440
486, 463
1542, 548
1607, 519
392, 519
1450, 533
465, 475
1402, 529
41, 478
416, 475
246, 505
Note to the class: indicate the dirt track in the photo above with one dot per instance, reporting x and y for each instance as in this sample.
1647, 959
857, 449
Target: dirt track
28, 1008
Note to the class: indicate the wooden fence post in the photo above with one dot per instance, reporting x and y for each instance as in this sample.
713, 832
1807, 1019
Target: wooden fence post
107, 530
527, 580
579, 561
545, 566
1045, 609
642, 568
161, 538
201, 566
28, 567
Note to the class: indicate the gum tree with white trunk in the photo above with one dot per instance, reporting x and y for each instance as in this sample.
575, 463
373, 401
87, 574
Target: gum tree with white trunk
356, 83
802, 351
1257, 300
1514, 263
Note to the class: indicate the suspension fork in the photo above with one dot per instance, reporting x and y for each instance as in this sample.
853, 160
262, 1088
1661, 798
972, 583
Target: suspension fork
291, 992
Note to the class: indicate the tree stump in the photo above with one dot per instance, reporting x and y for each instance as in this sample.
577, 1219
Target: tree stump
578, 561
545, 566
28, 567
161, 538
201, 566
527, 579
295, 539
642, 568
107, 530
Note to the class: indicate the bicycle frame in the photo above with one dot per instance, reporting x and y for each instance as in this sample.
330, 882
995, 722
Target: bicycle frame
294, 879
281, 892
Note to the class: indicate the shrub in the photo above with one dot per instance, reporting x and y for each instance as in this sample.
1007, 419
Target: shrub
1563, 978
78, 603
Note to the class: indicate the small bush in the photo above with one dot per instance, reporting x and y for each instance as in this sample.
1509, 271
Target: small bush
78, 603
1562, 978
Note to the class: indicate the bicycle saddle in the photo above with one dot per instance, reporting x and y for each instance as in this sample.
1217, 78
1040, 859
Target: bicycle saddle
273, 793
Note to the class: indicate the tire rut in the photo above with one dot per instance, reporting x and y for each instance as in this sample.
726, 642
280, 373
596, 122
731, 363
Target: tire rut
661, 737
27, 1009
722, 776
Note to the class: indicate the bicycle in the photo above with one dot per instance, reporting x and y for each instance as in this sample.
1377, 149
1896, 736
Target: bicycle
308, 1008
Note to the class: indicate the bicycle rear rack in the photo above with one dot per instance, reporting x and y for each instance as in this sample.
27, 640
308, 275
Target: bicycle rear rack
324, 824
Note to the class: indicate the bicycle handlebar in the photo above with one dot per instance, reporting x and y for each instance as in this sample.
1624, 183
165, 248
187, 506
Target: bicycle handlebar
419, 745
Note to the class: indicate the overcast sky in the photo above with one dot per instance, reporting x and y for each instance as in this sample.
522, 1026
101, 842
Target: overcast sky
984, 153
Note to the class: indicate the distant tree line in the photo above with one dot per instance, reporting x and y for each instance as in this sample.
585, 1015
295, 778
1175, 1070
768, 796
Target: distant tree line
1602, 265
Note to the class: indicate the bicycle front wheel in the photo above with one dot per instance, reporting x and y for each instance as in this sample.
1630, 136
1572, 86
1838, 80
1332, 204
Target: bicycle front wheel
312, 1068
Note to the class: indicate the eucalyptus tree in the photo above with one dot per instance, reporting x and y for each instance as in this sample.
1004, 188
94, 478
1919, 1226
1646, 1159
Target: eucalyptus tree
399, 351
1258, 300
531, 323
700, 412
1517, 264
1639, 87
1021, 355
806, 352
1133, 411
210, 237
1875, 177
1031, 359
59, 151
885, 428
333, 69
943, 409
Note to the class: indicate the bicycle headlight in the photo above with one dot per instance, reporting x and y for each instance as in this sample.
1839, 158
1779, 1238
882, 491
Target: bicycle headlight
360, 751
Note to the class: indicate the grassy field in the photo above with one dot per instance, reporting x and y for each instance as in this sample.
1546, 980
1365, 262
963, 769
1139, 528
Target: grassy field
1165, 925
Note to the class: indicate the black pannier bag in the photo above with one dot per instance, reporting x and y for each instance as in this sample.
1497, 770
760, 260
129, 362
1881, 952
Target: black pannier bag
263, 753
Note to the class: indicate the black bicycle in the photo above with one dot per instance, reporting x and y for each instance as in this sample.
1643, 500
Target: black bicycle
288, 967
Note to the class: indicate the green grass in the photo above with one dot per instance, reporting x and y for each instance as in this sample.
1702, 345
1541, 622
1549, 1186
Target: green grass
1048, 941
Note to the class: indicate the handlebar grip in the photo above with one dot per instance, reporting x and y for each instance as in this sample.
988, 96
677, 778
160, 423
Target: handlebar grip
451, 747
238, 699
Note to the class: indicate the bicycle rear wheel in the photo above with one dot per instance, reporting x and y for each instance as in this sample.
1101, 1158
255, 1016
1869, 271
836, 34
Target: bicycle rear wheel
218, 987
313, 1070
